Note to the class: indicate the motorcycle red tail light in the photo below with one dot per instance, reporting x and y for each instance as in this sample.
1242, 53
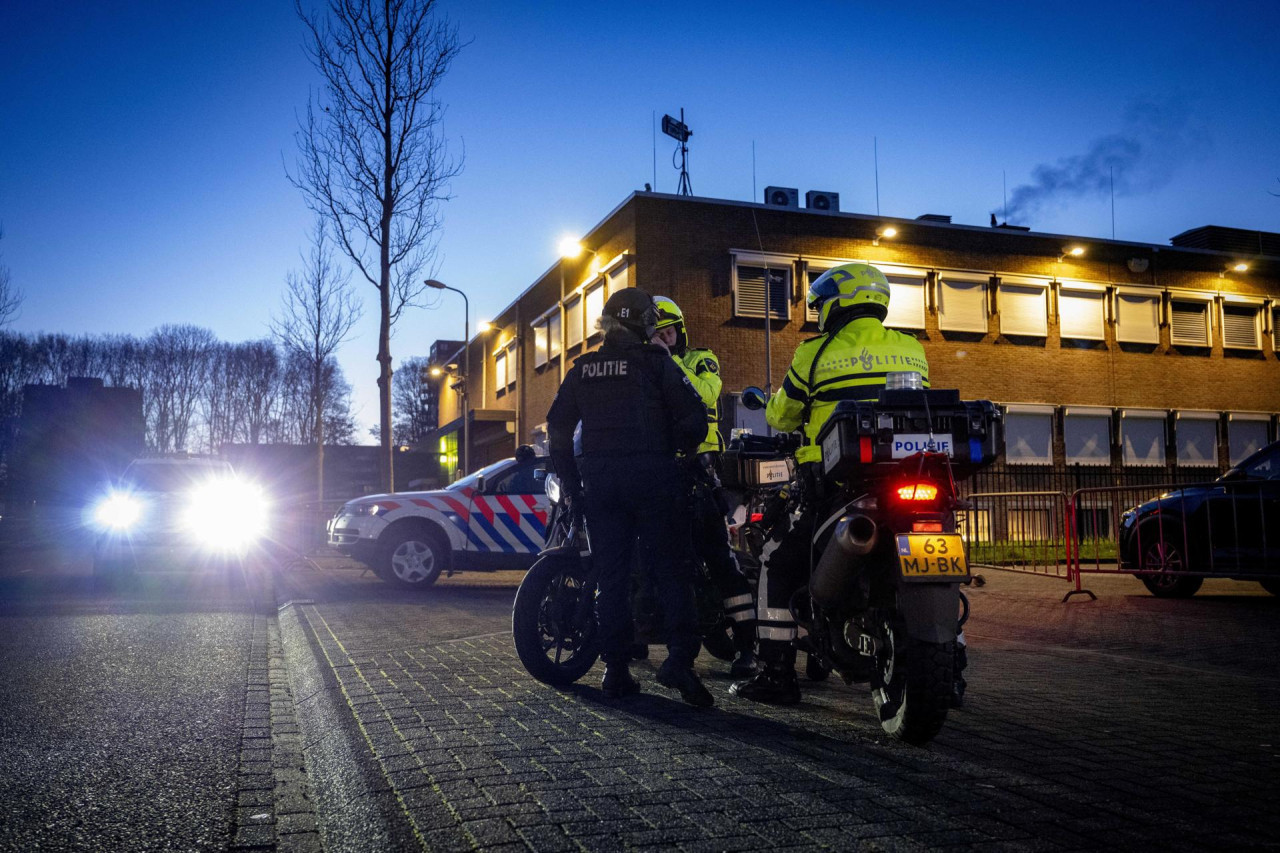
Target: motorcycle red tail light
757, 517
918, 492
926, 527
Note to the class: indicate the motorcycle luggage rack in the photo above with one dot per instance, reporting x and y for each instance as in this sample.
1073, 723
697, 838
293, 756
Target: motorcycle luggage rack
863, 436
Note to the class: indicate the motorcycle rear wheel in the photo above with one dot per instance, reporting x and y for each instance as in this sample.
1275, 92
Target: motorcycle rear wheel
551, 646
918, 684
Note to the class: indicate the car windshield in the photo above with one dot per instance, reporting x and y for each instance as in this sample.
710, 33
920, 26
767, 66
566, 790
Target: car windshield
1263, 465
469, 481
167, 477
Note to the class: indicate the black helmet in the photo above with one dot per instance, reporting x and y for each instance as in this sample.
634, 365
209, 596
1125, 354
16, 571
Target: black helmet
634, 309
524, 453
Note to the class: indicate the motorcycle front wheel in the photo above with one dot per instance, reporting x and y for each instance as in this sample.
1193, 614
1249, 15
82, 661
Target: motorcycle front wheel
917, 687
555, 638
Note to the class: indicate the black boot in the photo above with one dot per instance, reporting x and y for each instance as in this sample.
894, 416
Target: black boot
618, 681
744, 641
775, 682
686, 681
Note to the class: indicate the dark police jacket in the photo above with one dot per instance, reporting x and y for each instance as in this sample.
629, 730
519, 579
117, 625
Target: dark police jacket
632, 400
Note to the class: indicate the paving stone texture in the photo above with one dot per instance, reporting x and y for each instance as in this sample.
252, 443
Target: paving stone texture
1121, 723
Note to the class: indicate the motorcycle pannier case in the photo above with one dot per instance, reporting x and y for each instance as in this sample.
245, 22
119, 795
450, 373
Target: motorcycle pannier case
861, 435
753, 460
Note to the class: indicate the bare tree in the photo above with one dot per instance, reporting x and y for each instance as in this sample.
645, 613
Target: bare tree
373, 161
411, 399
317, 315
177, 361
10, 296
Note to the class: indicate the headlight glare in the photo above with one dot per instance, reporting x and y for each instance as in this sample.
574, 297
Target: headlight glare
118, 511
227, 515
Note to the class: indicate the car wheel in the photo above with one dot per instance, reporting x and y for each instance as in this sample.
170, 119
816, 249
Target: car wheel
1162, 558
413, 557
1272, 586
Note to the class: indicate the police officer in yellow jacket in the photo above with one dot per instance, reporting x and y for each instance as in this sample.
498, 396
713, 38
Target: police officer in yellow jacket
849, 360
710, 534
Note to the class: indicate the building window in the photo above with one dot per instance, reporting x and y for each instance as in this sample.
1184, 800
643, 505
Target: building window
1137, 317
1275, 328
1028, 435
500, 373
962, 302
755, 286
1189, 321
1086, 432
1246, 434
1142, 437
1241, 325
1024, 306
595, 307
1197, 439
618, 277
1081, 310
541, 350
554, 336
573, 321
906, 298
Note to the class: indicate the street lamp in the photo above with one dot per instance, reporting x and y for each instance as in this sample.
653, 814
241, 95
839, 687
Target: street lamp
1072, 251
466, 368
885, 231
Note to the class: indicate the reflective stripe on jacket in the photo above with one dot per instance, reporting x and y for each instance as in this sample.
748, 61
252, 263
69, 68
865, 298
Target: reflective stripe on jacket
852, 363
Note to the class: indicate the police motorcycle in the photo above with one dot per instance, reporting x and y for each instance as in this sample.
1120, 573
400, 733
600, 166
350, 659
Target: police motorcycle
883, 605
553, 619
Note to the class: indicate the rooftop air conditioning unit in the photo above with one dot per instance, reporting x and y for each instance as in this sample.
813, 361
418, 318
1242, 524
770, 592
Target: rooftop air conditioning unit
822, 200
782, 196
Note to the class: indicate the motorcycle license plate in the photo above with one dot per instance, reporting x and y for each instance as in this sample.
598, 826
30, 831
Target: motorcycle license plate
932, 556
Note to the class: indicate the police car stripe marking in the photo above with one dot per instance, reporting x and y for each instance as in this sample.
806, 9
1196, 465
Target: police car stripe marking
514, 527
500, 541
507, 505
539, 513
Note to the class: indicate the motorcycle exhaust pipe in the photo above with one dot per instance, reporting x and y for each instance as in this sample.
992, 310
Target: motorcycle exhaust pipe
832, 584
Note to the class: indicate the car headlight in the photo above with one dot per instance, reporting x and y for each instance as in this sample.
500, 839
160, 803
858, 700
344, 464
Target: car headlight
365, 509
227, 515
118, 511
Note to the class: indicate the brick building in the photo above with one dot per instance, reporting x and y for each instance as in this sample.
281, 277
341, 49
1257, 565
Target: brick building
1111, 357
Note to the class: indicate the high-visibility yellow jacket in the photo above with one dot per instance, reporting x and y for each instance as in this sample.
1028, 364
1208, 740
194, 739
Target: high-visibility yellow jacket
849, 364
703, 370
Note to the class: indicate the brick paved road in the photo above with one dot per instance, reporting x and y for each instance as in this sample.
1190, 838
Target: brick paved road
1118, 723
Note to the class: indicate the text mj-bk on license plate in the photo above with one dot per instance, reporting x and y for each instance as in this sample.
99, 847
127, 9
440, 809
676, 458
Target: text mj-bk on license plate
932, 555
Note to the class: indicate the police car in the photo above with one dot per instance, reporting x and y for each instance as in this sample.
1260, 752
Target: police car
493, 519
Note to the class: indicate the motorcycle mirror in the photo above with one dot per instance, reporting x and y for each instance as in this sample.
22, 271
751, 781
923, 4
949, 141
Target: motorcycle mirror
754, 398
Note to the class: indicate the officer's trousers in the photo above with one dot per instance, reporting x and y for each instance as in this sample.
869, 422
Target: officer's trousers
711, 545
639, 506
784, 568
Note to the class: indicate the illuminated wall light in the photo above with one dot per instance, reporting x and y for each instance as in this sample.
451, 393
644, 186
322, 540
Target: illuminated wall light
570, 248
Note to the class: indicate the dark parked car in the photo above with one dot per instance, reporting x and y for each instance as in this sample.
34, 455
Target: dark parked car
1228, 528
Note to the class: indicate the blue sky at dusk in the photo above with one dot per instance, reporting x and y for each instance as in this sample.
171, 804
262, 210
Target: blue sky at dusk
143, 144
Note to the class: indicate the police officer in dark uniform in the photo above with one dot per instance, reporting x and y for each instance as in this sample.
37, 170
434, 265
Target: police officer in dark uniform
637, 411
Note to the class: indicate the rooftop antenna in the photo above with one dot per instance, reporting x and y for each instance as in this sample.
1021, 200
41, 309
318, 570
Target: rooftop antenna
680, 132
1113, 202
1004, 208
753, 170
875, 150
653, 130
